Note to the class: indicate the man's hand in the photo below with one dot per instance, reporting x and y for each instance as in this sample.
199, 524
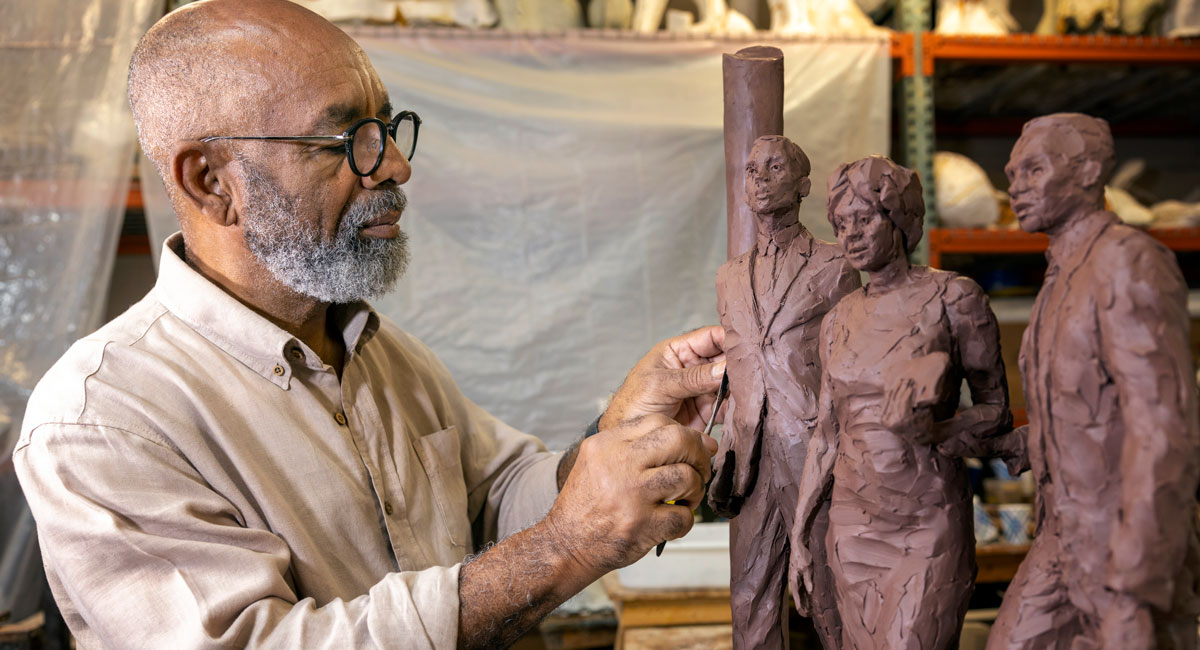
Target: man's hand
678, 378
612, 508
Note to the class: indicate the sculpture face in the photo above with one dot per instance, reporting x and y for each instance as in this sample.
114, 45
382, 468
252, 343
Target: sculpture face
1045, 184
772, 183
867, 236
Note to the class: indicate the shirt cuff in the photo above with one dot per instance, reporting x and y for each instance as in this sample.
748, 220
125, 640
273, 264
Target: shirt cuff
421, 606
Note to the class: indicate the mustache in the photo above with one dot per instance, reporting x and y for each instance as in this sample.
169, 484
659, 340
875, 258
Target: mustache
374, 203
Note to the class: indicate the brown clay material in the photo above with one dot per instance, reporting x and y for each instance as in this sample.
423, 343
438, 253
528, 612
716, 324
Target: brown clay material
753, 79
884, 459
771, 300
1112, 438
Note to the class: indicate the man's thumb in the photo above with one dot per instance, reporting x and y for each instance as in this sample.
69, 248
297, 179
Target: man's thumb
701, 380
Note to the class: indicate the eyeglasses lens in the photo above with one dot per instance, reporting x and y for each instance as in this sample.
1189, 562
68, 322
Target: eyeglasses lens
367, 146
406, 136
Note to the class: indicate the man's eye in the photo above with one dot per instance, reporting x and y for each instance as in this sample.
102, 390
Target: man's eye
776, 168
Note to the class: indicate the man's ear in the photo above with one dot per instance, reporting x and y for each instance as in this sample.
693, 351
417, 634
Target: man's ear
805, 186
199, 176
1089, 173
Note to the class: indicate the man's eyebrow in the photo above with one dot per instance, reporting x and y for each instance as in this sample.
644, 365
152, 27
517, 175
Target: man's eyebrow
336, 116
385, 111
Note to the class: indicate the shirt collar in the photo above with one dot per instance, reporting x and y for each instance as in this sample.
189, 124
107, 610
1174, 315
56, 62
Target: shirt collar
783, 237
240, 331
1078, 236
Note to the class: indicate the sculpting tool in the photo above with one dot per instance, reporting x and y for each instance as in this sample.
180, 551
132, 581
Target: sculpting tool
721, 393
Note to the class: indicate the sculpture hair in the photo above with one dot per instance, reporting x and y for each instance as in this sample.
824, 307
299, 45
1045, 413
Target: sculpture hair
1083, 138
893, 190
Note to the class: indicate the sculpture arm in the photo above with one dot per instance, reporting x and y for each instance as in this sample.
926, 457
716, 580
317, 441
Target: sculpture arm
984, 429
1143, 323
816, 481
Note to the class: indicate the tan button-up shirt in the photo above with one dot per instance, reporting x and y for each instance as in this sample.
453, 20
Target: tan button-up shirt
201, 479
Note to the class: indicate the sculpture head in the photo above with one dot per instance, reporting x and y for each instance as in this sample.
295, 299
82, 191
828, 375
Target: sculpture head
283, 213
876, 209
1058, 169
776, 180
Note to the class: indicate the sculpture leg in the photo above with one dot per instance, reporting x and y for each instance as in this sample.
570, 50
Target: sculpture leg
1036, 613
824, 597
758, 556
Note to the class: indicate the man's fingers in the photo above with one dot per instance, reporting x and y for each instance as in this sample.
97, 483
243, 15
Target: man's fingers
676, 444
704, 343
673, 521
679, 483
682, 383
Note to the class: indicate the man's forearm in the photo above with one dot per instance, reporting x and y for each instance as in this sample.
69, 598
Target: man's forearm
512, 586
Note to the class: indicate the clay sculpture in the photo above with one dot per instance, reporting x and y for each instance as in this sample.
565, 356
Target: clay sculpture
884, 459
1112, 438
771, 301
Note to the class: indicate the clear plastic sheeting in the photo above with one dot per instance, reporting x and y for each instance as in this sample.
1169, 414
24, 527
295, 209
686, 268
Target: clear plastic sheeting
567, 204
66, 149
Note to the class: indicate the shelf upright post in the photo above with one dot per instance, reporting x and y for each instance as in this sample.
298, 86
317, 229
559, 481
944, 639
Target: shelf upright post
917, 123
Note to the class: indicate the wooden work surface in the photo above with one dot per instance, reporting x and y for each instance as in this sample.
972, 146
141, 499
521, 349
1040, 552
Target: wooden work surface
999, 562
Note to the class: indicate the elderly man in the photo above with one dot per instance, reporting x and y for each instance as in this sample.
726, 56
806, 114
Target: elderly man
1112, 437
771, 301
251, 457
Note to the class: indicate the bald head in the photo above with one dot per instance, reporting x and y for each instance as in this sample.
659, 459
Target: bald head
222, 67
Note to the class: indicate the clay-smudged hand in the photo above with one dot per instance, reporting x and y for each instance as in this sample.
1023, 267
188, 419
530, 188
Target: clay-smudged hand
678, 378
612, 508
903, 417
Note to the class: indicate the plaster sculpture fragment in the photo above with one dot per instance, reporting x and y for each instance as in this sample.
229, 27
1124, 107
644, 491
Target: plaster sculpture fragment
1127, 16
794, 17
885, 458
1112, 439
612, 14
965, 196
987, 17
771, 301
539, 15
717, 18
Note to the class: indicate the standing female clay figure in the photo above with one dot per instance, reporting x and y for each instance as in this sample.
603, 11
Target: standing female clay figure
885, 452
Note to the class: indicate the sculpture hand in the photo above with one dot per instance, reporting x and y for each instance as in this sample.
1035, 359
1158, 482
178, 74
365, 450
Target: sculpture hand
800, 578
720, 492
678, 378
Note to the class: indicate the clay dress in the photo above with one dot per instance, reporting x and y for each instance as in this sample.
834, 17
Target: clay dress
900, 542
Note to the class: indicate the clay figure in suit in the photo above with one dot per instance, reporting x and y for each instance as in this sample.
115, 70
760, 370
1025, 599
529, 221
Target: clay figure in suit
1112, 438
885, 458
771, 301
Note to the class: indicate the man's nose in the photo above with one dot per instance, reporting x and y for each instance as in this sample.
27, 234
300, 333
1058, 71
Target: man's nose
393, 167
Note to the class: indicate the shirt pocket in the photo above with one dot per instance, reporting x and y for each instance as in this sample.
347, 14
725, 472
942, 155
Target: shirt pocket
439, 456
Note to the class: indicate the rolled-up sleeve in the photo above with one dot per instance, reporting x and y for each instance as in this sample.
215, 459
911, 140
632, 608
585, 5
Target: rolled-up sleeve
152, 557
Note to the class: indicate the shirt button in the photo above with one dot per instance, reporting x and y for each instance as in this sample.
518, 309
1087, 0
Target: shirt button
387, 507
341, 419
278, 371
297, 354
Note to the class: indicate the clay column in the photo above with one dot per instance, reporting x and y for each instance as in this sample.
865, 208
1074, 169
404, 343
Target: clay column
753, 108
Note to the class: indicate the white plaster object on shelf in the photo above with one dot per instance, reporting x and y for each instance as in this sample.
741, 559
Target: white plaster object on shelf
985, 17
965, 196
647, 15
1183, 20
539, 15
611, 14
1129, 209
795, 17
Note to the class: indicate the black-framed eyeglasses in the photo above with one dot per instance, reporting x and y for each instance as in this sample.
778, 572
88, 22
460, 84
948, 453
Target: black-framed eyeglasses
364, 140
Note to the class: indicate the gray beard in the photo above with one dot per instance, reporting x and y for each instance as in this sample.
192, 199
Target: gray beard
345, 269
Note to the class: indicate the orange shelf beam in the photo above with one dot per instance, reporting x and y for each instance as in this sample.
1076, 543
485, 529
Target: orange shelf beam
1000, 242
1030, 48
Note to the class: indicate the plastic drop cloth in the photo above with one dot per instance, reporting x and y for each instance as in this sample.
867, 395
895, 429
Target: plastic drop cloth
66, 149
567, 204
